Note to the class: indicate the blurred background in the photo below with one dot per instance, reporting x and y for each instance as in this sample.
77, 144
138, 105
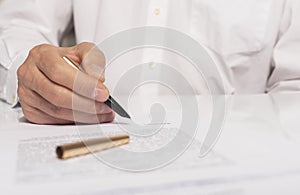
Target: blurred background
69, 40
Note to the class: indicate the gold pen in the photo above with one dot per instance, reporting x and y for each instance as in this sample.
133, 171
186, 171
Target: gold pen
111, 102
89, 146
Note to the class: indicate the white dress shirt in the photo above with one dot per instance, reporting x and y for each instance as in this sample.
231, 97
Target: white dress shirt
259, 40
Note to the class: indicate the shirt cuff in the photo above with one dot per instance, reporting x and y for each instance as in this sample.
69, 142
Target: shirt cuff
11, 86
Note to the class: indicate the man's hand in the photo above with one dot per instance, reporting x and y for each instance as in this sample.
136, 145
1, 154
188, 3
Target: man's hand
52, 92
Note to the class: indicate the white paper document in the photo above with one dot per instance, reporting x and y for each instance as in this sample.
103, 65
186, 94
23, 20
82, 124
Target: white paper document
252, 154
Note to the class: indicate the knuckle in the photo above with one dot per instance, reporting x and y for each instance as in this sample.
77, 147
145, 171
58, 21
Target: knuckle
44, 47
87, 44
38, 50
21, 72
24, 73
29, 114
58, 98
34, 52
21, 92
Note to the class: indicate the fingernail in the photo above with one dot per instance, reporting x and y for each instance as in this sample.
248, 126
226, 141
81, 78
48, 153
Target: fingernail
101, 94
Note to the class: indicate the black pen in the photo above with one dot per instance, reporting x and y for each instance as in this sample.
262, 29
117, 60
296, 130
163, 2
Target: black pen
111, 102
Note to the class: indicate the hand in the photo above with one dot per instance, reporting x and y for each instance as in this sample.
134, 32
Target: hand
52, 92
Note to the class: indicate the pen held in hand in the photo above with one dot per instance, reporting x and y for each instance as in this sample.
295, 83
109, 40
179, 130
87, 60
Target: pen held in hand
111, 102
90, 146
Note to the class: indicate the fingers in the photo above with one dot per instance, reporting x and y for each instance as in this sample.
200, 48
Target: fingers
58, 96
53, 92
92, 60
36, 116
52, 65
35, 106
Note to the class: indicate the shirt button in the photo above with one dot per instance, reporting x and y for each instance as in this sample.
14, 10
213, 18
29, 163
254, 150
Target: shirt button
152, 65
157, 11
13, 98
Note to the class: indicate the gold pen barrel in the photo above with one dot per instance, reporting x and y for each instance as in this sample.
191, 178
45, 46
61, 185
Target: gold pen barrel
90, 146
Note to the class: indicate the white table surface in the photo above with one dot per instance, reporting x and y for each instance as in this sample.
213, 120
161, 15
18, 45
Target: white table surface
260, 143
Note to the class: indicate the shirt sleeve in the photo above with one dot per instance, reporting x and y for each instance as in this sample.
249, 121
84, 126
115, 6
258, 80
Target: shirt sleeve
285, 76
23, 25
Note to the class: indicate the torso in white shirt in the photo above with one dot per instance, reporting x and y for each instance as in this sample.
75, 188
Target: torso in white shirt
257, 40
243, 33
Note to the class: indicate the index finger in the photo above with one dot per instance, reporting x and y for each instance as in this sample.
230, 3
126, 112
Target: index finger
60, 72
